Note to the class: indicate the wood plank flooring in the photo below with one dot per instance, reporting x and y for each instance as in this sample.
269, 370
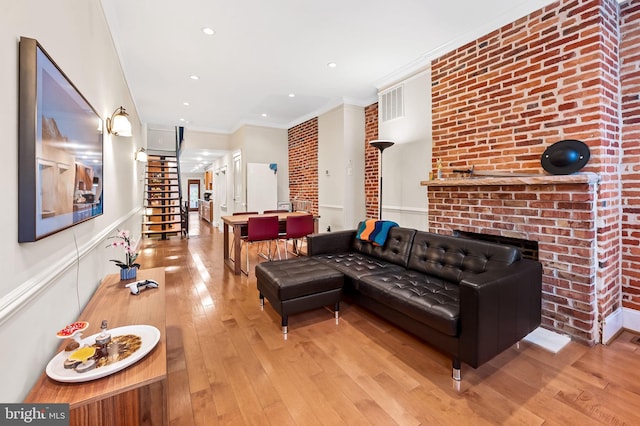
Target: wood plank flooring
229, 364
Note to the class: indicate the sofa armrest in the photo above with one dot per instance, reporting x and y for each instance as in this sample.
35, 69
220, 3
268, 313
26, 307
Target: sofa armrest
330, 242
498, 309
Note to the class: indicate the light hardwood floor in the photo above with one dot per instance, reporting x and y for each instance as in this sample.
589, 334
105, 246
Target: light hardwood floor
229, 364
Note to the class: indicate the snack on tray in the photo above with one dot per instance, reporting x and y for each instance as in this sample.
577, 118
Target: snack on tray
89, 357
83, 354
71, 346
71, 329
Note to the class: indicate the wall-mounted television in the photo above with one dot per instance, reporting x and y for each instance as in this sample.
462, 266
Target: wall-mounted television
60, 152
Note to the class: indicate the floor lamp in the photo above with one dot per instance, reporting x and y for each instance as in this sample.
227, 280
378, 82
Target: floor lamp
381, 145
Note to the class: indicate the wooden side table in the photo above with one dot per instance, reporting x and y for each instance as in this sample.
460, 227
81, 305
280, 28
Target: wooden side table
136, 395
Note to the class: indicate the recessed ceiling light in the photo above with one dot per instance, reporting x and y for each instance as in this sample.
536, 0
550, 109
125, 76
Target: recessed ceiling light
332, 65
264, 114
194, 77
292, 95
185, 103
208, 31
182, 119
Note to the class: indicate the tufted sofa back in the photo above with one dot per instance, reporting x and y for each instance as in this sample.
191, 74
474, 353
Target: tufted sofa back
396, 248
452, 258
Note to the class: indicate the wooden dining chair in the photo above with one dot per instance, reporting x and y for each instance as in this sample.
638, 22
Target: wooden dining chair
262, 229
298, 227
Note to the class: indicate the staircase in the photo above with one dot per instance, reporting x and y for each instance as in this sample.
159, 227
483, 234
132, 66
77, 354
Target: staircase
163, 216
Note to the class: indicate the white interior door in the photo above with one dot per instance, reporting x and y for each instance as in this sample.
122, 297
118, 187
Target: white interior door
239, 204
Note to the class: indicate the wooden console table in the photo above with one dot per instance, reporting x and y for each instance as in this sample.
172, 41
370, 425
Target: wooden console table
136, 395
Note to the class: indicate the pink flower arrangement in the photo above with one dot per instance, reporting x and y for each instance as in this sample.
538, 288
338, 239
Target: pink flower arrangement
123, 239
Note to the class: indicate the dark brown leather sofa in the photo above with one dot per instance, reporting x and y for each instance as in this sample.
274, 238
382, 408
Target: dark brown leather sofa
470, 299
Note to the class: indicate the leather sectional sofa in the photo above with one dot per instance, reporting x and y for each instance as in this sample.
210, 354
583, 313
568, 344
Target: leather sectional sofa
469, 299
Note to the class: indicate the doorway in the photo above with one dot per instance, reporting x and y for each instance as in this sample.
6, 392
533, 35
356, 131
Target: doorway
193, 193
239, 205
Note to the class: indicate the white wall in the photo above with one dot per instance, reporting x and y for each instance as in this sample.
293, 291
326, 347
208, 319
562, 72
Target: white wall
341, 168
268, 145
222, 163
184, 183
330, 172
217, 146
218, 143
353, 166
45, 284
255, 145
409, 161
161, 139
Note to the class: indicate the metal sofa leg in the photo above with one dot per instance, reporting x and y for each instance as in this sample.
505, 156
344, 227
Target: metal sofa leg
285, 324
455, 371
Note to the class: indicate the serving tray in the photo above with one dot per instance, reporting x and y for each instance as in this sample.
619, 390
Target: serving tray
147, 333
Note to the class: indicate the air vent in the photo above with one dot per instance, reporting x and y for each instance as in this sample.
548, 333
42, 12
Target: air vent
392, 103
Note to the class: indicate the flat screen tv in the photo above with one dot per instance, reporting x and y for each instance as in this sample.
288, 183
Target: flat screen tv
60, 153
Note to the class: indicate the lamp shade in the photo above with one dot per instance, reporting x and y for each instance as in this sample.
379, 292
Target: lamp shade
381, 144
141, 155
119, 124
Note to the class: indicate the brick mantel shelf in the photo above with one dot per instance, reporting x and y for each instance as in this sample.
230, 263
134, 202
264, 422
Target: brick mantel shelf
534, 179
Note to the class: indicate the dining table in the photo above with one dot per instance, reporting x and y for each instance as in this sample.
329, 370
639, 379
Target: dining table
236, 223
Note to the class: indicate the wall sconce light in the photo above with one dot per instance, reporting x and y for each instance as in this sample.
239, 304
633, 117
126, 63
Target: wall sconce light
119, 124
141, 155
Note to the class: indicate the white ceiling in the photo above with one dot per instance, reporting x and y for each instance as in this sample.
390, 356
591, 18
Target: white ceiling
262, 51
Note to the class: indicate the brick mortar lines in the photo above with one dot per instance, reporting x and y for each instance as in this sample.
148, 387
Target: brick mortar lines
567, 285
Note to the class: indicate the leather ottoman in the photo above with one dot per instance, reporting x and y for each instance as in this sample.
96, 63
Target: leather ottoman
298, 285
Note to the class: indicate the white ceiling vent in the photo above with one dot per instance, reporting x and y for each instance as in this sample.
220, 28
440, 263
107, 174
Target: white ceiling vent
391, 103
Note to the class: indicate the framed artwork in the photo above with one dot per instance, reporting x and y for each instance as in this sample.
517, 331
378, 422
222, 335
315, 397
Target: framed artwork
60, 153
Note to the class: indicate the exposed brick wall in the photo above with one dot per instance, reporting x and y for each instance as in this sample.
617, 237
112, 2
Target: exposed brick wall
371, 155
500, 101
303, 162
608, 282
630, 78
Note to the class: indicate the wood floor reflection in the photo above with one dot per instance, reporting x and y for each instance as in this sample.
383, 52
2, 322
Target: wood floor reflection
229, 364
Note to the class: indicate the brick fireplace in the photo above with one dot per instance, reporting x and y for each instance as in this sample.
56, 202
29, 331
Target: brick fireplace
566, 71
558, 212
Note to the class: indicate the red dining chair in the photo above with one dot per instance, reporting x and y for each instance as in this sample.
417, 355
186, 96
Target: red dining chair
283, 226
243, 231
262, 229
298, 227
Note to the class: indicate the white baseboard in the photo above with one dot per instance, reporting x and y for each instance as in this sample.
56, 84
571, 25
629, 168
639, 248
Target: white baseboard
631, 319
624, 318
612, 325
546, 339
